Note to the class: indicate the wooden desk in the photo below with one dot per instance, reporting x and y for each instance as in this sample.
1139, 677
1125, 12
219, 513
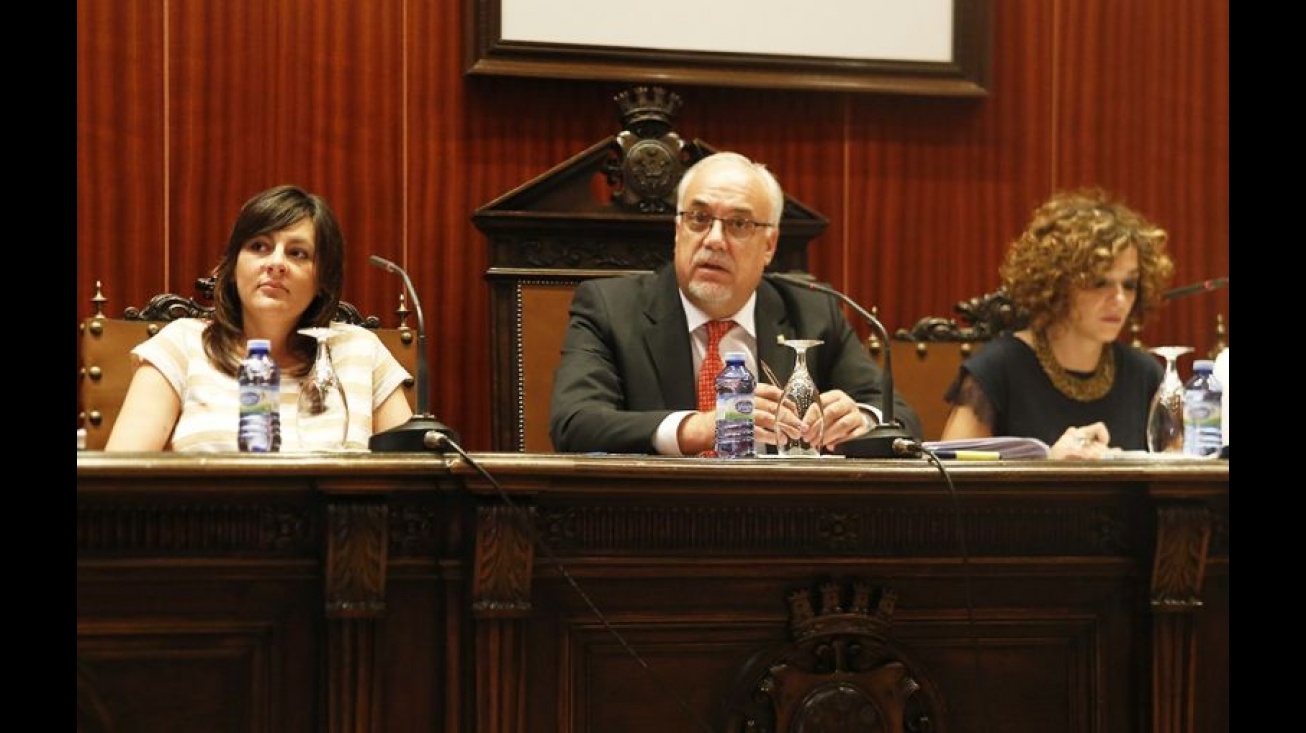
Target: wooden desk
398, 593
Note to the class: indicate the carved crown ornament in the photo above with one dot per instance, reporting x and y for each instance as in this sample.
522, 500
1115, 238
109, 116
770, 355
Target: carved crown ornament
647, 158
837, 616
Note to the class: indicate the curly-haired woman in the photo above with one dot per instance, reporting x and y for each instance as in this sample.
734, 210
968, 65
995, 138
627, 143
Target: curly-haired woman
1084, 266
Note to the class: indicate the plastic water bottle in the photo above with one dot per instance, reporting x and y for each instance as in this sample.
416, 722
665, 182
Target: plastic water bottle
1203, 398
260, 400
734, 408
1222, 373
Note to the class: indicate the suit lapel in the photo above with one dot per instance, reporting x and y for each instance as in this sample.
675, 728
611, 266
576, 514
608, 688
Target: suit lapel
668, 346
771, 321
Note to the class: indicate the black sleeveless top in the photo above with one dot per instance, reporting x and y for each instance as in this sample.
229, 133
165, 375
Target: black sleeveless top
1025, 403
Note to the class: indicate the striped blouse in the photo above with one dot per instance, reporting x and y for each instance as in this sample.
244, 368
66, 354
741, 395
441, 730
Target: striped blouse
209, 402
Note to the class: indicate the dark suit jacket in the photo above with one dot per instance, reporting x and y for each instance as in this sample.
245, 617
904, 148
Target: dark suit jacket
627, 361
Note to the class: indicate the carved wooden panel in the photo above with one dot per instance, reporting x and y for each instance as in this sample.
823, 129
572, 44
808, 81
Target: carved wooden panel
703, 641
208, 580
208, 676
842, 670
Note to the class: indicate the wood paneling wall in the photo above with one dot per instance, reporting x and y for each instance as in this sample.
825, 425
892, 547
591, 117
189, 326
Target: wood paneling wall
188, 107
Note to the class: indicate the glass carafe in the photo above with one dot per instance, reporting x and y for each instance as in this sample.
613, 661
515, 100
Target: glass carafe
1165, 416
800, 400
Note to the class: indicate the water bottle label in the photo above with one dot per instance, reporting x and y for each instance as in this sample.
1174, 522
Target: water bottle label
734, 426
258, 430
1202, 426
734, 407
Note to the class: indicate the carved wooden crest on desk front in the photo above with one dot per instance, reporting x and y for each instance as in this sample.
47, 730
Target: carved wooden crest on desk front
841, 672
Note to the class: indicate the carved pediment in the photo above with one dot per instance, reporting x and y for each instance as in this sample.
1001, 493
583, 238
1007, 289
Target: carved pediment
620, 192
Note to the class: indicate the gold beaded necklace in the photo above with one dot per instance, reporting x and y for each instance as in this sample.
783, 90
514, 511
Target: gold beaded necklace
1076, 388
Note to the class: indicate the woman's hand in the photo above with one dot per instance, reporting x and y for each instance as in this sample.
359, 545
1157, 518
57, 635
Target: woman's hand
1088, 442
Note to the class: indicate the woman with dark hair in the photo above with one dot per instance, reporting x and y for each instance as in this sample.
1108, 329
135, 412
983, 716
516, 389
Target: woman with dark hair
1083, 267
282, 270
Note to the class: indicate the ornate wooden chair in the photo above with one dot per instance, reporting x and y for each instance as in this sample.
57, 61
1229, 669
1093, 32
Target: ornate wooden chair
841, 672
927, 356
106, 344
566, 226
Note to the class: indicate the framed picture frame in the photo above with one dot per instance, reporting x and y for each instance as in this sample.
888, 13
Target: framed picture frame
921, 47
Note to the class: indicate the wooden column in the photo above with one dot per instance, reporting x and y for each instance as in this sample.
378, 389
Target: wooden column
356, 552
501, 592
1183, 536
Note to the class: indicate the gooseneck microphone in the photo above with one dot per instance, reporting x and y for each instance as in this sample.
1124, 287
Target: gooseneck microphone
1195, 288
412, 435
888, 438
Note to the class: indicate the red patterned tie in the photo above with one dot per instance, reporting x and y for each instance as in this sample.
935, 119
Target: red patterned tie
712, 364
711, 367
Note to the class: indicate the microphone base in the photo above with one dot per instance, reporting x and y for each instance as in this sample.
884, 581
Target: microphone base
411, 436
878, 443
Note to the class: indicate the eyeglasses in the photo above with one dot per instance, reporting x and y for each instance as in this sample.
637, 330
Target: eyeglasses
736, 228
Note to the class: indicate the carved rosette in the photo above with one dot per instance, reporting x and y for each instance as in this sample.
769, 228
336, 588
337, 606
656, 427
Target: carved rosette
416, 529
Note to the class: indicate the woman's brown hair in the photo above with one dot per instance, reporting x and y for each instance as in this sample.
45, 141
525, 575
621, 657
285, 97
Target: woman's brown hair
270, 211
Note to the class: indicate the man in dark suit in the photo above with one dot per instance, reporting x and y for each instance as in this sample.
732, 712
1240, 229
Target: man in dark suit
634, 345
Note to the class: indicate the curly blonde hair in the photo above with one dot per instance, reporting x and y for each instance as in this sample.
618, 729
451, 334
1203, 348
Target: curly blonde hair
1072, 241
